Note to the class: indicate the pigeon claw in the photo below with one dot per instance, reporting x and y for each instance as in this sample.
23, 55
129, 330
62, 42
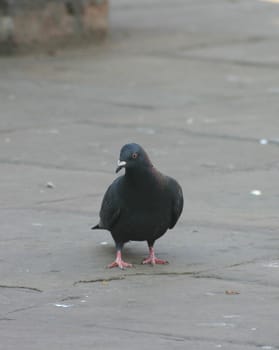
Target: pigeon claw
121, 264
154, 261
152, 258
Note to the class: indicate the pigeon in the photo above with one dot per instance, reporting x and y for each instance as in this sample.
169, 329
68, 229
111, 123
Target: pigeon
140, 205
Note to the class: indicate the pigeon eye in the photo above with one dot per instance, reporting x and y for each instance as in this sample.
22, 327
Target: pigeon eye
134, 155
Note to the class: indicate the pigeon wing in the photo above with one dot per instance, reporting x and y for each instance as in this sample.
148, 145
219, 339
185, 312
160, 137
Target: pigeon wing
110, 209
177, 201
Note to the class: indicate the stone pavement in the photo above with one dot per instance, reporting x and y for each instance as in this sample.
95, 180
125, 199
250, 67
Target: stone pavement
197, 84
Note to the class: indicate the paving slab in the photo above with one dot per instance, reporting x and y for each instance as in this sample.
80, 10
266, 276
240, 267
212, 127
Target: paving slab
194, 82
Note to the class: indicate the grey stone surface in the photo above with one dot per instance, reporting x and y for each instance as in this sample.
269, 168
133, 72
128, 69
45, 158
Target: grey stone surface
196, 83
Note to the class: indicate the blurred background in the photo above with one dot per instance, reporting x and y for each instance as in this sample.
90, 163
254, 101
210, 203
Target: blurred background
195, 82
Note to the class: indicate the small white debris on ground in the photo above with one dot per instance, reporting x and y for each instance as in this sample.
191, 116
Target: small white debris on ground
50, 185
63, 305
263, 141
256, 192
37, 224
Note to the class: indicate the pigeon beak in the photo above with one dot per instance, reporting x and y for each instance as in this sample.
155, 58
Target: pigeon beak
120, 164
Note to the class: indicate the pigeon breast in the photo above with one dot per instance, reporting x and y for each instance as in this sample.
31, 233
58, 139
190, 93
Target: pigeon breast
146, 206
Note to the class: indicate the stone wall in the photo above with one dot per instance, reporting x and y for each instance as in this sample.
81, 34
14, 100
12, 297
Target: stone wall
27, 24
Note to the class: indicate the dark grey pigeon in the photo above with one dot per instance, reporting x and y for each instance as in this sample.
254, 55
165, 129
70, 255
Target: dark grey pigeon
140, 205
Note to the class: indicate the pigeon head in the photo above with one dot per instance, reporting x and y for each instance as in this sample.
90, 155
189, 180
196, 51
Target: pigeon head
133, 156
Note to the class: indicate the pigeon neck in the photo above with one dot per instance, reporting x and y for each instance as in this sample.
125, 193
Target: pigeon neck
141, 176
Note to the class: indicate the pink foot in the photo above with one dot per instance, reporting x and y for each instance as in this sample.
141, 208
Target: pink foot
119, 262
153, 260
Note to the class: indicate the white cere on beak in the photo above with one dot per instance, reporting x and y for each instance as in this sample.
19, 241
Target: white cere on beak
121, 163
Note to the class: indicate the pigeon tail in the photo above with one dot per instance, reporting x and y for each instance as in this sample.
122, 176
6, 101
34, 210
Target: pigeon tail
96, 227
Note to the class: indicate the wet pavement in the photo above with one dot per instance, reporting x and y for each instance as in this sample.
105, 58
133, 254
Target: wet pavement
197, 84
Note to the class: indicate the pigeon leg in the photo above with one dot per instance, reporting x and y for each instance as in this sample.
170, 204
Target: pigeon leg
118, 261
151, 259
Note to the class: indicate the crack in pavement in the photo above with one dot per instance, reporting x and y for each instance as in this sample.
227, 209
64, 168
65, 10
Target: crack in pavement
182, 337
101, 280
124, 276
6, 319
229, 227
33, 289
50, 166
43, 208
247, 262
222, 43
166, 128
65, 199
218, 60
258, 282
23, 309
225, 136
189, 132
206, 274
130, 105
